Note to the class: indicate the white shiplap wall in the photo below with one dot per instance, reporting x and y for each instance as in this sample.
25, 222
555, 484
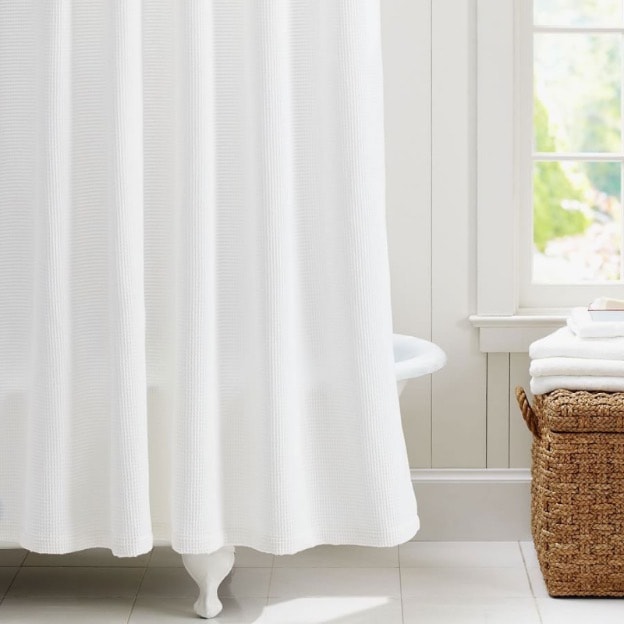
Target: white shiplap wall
465, 415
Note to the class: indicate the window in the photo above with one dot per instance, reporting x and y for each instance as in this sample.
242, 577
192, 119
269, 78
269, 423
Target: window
550, 154
571, 150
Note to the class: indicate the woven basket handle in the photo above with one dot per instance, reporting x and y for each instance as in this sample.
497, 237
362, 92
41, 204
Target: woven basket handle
527, 413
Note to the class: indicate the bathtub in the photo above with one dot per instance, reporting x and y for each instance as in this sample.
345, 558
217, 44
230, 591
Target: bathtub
414, 357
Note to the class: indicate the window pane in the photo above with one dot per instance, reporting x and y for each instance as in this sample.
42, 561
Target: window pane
576, 222
577, 12
577, 92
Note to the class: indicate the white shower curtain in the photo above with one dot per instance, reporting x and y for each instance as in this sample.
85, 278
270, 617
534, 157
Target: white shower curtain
193, 271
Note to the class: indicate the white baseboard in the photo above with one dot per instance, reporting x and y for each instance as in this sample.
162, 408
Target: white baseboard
461, 505
473, 504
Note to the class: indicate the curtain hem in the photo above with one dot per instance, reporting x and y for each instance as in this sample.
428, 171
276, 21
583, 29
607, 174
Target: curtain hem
382, 538
129, 547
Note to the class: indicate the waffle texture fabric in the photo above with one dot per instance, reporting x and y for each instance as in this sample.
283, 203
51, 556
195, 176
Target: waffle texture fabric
193, 272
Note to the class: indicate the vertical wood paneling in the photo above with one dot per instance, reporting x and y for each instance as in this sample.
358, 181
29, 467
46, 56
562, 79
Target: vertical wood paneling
464, 416
519, 436
498, 410
406, 31
495, 131
459, 390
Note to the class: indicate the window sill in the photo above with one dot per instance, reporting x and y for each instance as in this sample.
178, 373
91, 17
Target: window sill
514, 334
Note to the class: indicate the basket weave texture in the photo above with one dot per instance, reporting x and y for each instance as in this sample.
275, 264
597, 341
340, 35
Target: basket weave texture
577, 491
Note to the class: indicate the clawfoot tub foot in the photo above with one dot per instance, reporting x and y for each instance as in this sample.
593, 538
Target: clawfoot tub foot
208, 571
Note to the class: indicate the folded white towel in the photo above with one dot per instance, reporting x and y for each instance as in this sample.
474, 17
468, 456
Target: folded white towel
564, 343
583, 367
542, 385
581, 323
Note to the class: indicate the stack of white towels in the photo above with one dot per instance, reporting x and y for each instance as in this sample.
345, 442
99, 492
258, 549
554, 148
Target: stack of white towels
585, 355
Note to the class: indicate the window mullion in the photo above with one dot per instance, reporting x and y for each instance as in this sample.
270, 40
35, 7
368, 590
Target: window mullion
587, 30
583, 156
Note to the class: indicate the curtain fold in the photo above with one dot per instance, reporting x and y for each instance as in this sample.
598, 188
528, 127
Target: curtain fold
194, 278
49, 423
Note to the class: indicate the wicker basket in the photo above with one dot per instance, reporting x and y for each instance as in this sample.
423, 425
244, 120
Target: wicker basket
577, 492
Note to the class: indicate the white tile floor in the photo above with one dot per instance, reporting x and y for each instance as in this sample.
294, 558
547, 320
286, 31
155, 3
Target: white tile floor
417, 583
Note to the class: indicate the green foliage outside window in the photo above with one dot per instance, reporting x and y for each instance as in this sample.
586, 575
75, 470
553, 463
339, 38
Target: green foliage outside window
551, 188
577, 212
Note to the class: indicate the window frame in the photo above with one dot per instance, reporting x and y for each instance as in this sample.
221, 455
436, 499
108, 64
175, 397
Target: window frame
511, 312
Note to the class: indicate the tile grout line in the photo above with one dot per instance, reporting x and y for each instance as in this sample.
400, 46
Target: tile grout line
268, 598
332, 567
19, 566
526, 571
400, 583
97, 567
10, 585
136, 595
